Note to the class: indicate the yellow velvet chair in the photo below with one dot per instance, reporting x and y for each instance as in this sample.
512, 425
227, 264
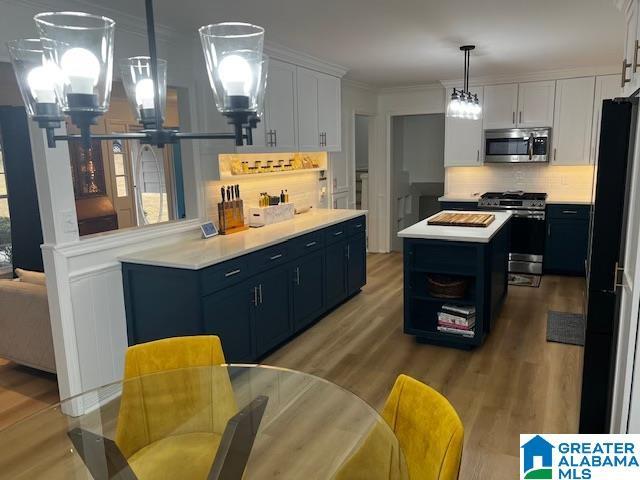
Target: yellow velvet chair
428, 429
170, 424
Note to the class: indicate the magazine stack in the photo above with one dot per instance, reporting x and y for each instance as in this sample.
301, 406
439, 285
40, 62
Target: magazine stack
457, 319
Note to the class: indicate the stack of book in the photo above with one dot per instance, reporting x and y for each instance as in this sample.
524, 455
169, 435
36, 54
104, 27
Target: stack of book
457, 319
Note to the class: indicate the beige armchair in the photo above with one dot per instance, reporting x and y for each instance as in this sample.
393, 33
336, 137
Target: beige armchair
25, 328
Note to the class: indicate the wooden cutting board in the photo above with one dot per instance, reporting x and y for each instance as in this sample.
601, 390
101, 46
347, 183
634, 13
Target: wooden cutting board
462, 219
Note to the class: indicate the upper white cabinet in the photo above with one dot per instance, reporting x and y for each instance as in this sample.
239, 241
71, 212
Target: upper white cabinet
463, 138
526, 105
535, 104
630, 72
607, 88
572, 129
500, 105
319, 111
280, 107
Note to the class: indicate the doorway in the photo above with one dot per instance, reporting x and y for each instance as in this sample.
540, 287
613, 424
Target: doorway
417, 170
361, 155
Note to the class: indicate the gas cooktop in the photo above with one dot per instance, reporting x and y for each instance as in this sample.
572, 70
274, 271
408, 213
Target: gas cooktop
513, 200
515, 195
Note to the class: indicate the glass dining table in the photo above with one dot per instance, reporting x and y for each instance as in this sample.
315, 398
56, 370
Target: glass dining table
222, 422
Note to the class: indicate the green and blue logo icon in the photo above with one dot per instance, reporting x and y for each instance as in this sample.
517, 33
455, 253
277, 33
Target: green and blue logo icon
537, 459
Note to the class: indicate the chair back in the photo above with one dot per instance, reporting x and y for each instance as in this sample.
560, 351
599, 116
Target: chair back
184, 400
428, 429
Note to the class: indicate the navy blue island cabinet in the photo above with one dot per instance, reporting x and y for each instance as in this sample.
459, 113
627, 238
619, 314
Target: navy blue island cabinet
254, 302
480, 265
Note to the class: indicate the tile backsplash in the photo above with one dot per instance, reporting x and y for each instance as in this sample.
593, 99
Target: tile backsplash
559, 182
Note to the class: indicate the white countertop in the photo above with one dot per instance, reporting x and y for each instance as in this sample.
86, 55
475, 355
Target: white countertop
551, 199
197, 253
456, 234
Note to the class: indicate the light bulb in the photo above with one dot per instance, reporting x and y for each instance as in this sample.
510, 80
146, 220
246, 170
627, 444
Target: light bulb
235, 74
145, 94
40, 81
81, 68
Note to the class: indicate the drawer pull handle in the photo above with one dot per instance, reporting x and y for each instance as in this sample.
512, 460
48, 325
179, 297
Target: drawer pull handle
337, 233
311, 244
232, 273
359, 225
275, 257
569, 212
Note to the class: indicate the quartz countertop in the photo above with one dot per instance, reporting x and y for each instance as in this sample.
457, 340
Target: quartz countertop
457, 234
197, 253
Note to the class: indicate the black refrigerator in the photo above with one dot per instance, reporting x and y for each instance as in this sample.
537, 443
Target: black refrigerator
606, 253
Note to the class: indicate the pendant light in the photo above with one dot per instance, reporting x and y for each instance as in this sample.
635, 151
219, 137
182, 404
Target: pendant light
69, 70
464, 104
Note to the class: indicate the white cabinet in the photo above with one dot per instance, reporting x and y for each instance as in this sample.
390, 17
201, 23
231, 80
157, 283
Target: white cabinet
535, 104
463, 138
526, 105
630, 73
340, 200
319, 111
280, 108
572, 128
500, 105
607, 88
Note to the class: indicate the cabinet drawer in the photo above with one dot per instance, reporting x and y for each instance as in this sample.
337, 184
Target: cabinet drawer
268, 257
307, 243
576, 212
357, 225
221, 276
336, 233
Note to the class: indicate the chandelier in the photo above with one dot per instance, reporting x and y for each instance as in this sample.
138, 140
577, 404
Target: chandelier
68, 72
463, 103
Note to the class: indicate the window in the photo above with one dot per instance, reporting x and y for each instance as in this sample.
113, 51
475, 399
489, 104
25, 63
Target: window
5, 224
122, 189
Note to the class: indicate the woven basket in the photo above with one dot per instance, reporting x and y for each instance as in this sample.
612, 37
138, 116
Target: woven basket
443, 286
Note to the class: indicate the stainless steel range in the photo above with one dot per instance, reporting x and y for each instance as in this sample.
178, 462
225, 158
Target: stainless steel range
528, 227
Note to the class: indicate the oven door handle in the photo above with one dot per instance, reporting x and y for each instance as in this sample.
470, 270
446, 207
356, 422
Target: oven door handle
530, 147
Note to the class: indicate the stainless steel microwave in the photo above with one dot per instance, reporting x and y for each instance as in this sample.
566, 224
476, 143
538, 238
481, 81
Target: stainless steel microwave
517, 145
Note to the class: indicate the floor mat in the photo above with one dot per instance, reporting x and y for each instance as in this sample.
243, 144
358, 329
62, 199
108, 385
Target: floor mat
565, 327
524, 280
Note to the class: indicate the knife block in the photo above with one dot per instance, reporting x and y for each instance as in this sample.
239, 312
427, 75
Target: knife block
231, 217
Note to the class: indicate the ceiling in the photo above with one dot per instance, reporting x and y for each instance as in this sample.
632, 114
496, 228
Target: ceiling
407, 42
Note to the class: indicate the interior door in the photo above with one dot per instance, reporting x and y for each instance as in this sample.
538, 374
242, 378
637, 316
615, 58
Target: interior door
121, 177
535, 104
500, 105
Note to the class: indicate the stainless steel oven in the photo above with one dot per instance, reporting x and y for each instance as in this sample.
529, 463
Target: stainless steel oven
517, 145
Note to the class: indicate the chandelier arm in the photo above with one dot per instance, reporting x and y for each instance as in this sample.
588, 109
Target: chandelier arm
153, 56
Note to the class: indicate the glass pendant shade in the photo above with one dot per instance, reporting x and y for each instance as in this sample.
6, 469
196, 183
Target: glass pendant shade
81, 46
139, 84
453, 109
262, 88
233, 56
38, 79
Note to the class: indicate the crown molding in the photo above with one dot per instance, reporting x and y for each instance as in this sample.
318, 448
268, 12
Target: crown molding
412, 88
535, 76
286, 54
124, 21
348, 82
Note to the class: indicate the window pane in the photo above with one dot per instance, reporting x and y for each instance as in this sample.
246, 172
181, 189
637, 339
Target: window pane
121, 186
3, 184
1, 161
118, 160
5, 234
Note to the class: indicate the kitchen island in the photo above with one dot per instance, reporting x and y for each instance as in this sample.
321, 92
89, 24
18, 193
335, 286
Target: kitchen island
475, 256
255, 289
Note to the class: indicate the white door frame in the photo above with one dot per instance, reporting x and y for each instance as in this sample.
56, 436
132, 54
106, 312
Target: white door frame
351, 168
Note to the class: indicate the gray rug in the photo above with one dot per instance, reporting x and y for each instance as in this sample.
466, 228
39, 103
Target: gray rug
524, 280
565, 327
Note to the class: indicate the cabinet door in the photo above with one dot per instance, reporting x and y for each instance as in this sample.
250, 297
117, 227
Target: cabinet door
308, 131
631, 35
329, 112
463, 138
535, 104
357, 258
308, 289
271, 316
281, 105
227, 314
573, 121
566, 246
607, 88
340, 200
500, 105
336, 273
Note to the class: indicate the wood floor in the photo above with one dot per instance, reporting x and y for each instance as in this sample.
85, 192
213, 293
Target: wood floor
24, 391
517, 382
